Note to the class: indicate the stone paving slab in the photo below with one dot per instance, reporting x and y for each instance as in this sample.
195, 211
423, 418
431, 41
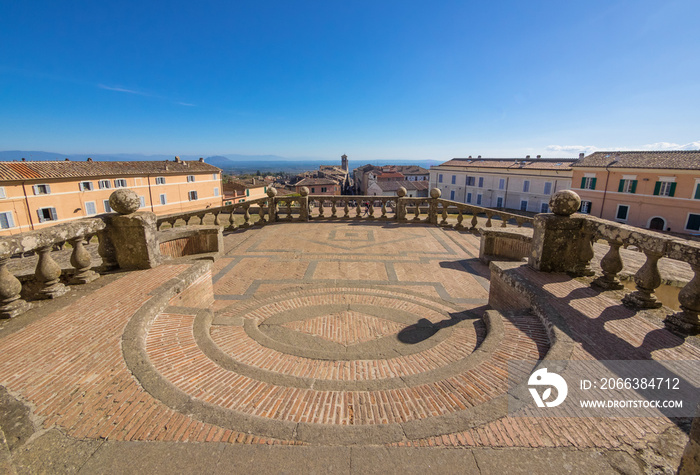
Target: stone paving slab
263, 351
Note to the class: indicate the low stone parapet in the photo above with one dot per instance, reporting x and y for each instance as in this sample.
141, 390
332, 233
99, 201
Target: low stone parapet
498, 244
191, 240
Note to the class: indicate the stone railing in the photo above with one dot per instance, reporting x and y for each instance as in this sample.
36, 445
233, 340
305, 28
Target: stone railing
563, 242
254, 212
46, 283
445, 208
352, 207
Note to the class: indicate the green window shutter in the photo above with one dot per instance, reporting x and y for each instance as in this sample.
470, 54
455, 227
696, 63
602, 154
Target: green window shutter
657, 188
583, 181
697, 192
673, 189
619, 188
593, 184
634, 186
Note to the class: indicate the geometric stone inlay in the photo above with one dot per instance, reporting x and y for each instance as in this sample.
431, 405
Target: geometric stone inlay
347, 327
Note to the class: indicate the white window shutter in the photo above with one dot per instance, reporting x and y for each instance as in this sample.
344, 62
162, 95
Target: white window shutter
36, 189
41, 215
53, 214
10, 221
48, 189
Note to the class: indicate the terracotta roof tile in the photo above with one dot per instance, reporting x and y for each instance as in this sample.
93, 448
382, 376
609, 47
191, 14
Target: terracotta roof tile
12, 171
672, 159
513, 163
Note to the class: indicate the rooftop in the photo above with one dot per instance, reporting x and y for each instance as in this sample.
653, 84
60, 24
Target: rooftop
28, 170
676, 159
512, 163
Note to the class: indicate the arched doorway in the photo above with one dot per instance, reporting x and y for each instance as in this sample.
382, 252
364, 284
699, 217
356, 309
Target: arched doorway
657, 224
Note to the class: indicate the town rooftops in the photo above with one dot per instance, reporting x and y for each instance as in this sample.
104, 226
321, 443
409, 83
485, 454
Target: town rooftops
409, 185
512, 163
315, 182
412, 170
673, 159
387, 175
13, 171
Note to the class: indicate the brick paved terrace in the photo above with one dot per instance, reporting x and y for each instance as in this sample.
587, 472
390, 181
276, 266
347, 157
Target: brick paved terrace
330, 347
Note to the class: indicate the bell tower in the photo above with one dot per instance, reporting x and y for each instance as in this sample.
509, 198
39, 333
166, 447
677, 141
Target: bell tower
344, 162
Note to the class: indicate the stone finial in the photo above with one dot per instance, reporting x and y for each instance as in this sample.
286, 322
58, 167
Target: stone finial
124, 201
435, 193
304, 191
401, 192
271, 192
564, 203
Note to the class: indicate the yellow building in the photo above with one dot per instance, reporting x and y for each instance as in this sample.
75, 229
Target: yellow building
38, 194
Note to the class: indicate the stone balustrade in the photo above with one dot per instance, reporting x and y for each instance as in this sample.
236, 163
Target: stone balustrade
255, 212
446, 208
563, 242
47, 282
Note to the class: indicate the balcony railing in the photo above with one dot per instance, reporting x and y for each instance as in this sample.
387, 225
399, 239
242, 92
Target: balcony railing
46, 283
560, 242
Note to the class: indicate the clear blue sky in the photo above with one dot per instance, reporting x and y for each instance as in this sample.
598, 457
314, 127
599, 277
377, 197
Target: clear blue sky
372, 79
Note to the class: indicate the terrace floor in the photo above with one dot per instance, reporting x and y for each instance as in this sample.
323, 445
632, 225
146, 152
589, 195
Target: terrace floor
315, 347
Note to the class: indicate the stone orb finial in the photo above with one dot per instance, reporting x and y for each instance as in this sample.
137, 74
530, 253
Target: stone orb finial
564, 203
401, 192
304, 191
435, 193
124, 201
272, 192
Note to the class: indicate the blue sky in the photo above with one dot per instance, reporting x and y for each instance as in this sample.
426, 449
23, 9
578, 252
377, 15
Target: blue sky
372, 79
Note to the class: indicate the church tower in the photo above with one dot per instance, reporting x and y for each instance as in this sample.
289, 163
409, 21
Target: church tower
344, 163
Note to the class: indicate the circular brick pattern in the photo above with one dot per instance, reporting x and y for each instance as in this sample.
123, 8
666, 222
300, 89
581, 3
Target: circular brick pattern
337, 360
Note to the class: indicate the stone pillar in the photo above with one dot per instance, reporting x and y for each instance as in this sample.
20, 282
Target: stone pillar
686, 322
81, 261
105, 248
401, 204
557, 239
435, 194
11, 304
133, 234
304, 204
271, 205
48, 276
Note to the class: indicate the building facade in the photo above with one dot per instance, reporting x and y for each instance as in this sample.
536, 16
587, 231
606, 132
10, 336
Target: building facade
319, 186
39, 194
525, 185
652, 190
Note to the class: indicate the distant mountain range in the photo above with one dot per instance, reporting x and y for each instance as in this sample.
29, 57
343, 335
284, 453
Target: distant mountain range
232, 163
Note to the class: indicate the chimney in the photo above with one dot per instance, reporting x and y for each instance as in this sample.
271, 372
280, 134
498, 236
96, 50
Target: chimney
89, 159
67, 159
470, 156
24, 159
201, 160
479, 156
177, 160
539, 156
527, 157
580, 155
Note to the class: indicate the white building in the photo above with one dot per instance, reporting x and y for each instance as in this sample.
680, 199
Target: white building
510, 183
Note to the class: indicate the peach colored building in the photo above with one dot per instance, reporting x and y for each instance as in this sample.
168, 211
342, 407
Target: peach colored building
652, 190
319, 186
39, 194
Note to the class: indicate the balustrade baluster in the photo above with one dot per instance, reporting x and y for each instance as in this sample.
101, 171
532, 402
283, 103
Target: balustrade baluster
358, 210
333, 208
444, 215
261, 213
488, 219
320, 209
246, 216
217, 218
371, 210
81, 261
346, 210
475, 221
686, 321
460, 218
611, 264
48, 276
519, 221
647, 279
383, 216
11, 304
416, 212
504, 220
201, 218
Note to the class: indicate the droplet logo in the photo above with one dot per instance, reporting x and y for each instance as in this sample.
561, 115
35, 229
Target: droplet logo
542, 378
